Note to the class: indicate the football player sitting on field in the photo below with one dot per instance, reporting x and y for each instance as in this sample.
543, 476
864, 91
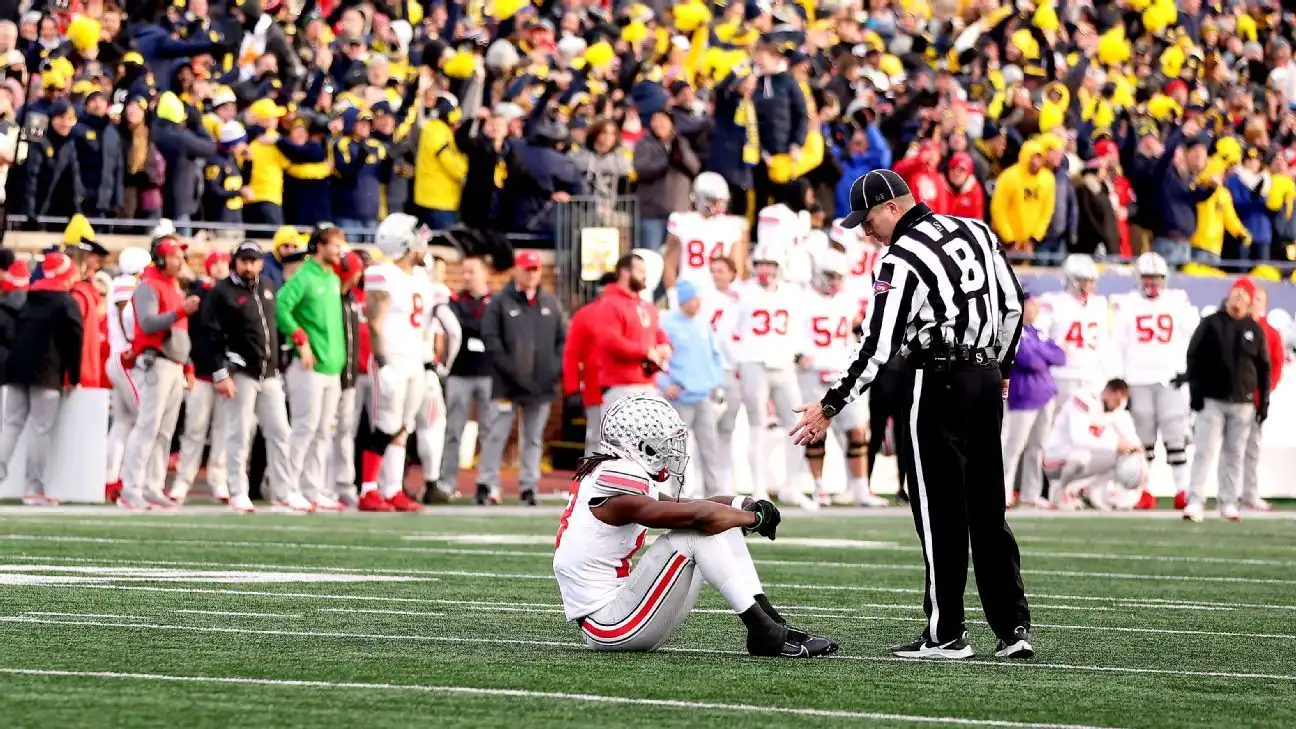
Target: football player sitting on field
616, 497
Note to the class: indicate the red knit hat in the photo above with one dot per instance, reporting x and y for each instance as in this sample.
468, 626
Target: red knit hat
1246, 284
58, 269
17, 278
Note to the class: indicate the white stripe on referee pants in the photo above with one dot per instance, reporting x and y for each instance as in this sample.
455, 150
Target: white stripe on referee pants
923, 514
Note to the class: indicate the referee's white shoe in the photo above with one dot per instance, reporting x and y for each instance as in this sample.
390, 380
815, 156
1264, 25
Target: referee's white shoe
1018, 647
923, 648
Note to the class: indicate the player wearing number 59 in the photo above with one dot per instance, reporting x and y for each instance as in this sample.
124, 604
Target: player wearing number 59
944, 298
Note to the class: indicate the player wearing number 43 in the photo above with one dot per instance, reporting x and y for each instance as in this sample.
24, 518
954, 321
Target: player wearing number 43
616, 497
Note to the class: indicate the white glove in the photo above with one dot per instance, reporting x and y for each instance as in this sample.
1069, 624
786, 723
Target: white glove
388, 376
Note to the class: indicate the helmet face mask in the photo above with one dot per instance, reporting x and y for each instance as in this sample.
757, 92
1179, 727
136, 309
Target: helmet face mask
401, 234
1153, 272
1081, 274
710, 194
644, 429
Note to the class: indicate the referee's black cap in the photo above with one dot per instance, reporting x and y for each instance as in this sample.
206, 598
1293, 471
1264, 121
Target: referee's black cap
871, 190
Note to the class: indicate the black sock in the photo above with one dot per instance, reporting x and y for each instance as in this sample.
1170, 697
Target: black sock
769, 609
758, 622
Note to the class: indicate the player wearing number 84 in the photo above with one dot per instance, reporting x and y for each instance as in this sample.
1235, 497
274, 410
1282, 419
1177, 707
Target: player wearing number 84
945, 299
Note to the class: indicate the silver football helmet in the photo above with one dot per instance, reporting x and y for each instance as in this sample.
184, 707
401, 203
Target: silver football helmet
1153, 271
1080, 273
710, 194
644, 429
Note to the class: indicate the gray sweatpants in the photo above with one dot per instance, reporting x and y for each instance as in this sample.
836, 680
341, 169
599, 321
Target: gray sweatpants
37, 407
462, 395
593, 428
161, 392
1024, 434
1163, 409
258, 403
701, 419
500, 416
1251, 466
344, 430
726, 423
201, 416
1222, 428
313, 399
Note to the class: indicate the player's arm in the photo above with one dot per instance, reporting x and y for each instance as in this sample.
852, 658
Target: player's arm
286, 301
376, 303
453, 335
742, 251
705, 517
671, 260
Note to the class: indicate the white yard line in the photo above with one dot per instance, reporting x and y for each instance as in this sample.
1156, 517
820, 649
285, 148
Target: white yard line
548, 555
417, 614
550, 696
559, 644
1133, 602
83, 615
237, 615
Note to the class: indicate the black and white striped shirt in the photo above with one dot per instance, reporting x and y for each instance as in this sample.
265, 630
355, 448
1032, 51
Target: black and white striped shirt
944, 280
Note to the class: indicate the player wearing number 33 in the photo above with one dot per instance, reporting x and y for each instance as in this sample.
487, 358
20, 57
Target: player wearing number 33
617, 496
945, 299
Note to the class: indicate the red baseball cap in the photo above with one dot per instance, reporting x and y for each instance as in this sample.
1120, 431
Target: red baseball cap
349, 267
170, 244
961, 161
213, 258
527, 260
1105, 147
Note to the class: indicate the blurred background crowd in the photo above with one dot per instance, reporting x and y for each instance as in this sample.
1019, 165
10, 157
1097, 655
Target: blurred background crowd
1091, 126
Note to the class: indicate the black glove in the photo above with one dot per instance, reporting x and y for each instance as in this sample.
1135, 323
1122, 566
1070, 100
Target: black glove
1180, 379
767, 518
1262, 412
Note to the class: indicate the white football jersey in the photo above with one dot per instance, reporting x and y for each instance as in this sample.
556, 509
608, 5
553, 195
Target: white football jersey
863, 255
1080, 328
591, 557
769, 325
119, 339
1083, 424
721, 309
1150, 336
790, 232
409, 307
829, 332
703, 239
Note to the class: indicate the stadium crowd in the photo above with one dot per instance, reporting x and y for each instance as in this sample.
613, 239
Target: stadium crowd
1101, 128
1092, 127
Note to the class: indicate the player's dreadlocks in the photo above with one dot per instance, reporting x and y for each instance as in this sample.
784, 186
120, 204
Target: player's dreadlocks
586, 465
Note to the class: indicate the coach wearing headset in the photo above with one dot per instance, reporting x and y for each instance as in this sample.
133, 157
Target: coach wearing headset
159, 362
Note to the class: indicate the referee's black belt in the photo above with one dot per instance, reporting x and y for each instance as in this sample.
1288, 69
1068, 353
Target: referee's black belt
945, 357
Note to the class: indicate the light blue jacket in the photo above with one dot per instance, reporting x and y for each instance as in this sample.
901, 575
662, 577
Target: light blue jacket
696, 364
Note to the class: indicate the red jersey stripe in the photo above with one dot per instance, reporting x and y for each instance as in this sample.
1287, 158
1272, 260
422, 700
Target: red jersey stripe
628, 482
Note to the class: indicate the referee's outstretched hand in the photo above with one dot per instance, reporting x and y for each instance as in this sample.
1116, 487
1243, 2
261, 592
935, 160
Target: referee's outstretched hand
812, 426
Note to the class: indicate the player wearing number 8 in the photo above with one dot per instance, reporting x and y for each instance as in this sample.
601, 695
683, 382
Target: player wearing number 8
944, 298
697, 237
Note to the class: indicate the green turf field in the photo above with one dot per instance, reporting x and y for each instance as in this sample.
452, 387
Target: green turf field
451, 619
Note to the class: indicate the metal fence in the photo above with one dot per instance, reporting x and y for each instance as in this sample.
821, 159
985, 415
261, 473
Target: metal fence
590, 233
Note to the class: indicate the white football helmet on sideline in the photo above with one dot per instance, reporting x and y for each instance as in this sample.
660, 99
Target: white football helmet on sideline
133, 261
1153, 272
830, 269
767, 252
1131, 470
1080, 273
399, 234
645, 430
710, 194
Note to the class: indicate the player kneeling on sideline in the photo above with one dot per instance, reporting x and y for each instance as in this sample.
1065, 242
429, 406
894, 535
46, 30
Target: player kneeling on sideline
1091, 436
616, 498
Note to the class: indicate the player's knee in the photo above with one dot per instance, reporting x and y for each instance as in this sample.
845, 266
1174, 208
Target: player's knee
1149, 451
856, 443
815, 451
1176, 456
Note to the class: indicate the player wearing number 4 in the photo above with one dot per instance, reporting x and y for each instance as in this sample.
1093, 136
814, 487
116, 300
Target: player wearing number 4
616, 497
1077, 320
699, 236
831, 318
1150, 333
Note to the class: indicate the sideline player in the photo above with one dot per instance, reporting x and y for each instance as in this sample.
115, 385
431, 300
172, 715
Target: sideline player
125, 393
1150, 334
786, 225
397, 309
862, 252
696, 238
438, 357
720, 307
767, 338
616, 497
1090, 434
831, 315
1077, 320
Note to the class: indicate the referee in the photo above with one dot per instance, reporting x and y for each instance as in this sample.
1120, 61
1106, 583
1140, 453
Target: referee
946, 300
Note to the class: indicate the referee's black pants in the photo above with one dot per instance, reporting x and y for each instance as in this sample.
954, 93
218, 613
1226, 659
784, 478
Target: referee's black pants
954, 471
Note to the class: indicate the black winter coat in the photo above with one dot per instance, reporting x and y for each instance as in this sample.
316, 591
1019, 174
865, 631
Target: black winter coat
10, 305
184, 152
1228, 359
53, 178
46, 346
524, 341
237, 326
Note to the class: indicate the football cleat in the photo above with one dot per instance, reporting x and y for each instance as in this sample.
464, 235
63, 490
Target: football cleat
296, 503
324, 502
373, 501
130, 503
34, 499
1018, 647
528, 498
1181, 500
220, 492
483, 494
1257, 504
401, 502
1146, 502
432, 494
870, 500
795, 644
242, 505
822, 497
1193, 512
1230, 512
956, 649
159, 502
348, 499
112, 491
